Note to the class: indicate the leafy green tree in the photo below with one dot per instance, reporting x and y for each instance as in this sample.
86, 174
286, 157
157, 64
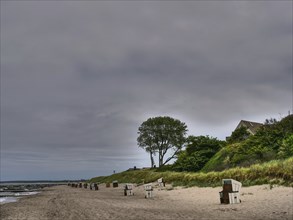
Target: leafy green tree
240, 134
198, 152
206, 144
160, 135
193, 162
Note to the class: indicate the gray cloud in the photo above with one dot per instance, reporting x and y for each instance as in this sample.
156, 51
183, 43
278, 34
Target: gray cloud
78, 78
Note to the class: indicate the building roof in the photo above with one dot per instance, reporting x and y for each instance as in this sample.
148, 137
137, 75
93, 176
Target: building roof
250, 125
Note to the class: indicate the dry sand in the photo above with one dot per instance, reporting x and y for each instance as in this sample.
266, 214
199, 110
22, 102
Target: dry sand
64, 202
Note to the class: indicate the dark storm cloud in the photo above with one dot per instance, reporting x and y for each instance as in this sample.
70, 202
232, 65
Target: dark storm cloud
78, 78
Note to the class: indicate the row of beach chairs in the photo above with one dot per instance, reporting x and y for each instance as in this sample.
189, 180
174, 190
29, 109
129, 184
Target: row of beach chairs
128, 188
229, 195
94, 186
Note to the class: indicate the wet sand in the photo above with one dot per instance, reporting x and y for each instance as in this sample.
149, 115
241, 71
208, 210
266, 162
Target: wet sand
64, 202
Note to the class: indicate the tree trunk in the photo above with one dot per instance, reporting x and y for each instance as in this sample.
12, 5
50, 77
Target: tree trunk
152, 159
160, 159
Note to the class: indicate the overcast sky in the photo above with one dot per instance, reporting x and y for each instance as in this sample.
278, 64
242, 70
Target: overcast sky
78, 78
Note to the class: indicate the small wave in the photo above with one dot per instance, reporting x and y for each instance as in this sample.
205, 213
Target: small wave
8, 199
6, 194
26, 193
13, 197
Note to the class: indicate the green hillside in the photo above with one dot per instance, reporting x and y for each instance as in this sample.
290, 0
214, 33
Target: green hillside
273, 172
272, 141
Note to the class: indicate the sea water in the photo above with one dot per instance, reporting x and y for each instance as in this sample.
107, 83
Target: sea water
8, 194
7, 197
12, 191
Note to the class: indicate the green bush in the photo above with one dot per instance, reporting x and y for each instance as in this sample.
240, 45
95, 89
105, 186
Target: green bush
286, 149
198, 152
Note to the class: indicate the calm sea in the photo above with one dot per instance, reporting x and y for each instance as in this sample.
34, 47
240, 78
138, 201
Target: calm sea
11, 192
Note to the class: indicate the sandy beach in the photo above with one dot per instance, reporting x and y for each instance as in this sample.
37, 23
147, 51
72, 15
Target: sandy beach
64, 202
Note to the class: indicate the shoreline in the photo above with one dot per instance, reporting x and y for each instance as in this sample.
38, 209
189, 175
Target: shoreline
12, 192
64, 202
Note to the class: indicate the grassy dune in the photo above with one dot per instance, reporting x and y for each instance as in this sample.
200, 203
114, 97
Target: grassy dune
274, 172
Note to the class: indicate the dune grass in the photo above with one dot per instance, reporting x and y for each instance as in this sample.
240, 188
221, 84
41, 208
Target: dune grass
278, 172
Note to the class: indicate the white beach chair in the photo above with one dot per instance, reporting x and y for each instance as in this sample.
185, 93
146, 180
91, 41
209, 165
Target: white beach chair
148, 191
128, 189
231, 191
161, 182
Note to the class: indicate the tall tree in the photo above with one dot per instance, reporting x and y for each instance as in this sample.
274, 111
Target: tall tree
161, 134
